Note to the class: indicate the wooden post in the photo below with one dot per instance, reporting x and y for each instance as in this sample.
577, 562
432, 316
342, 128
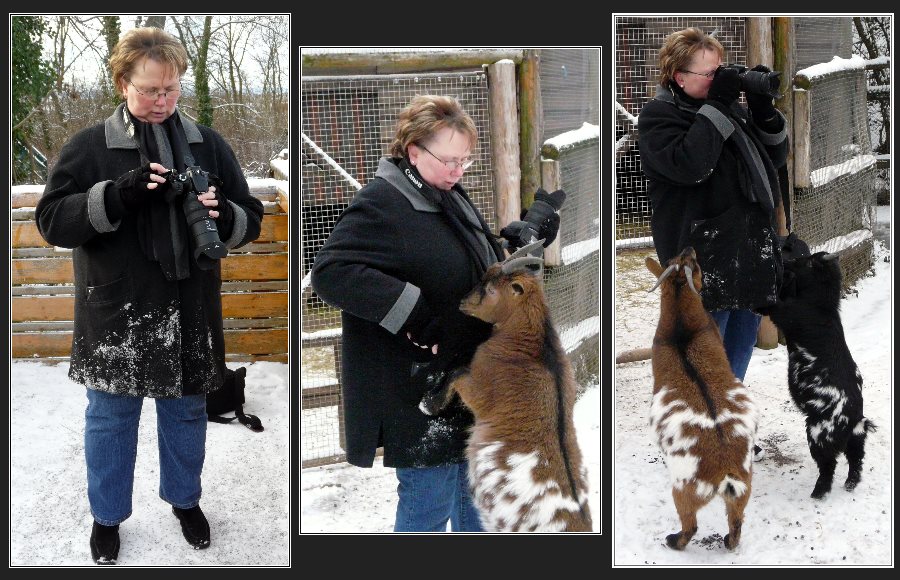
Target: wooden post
784, 62
550, 182
505, 141
801, 139
759, 42
531, 124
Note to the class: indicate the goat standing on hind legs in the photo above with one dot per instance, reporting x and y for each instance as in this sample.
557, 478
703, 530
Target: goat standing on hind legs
823, 378
525, 467
704, 418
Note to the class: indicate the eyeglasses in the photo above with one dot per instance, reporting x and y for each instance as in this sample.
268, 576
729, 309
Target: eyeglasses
154, 94
451, 165
708, 75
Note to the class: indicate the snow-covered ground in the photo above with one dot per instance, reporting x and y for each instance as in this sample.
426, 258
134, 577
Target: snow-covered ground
344, 498
782, 524
246, 476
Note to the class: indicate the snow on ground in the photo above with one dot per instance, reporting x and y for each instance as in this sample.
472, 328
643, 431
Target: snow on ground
246, 495
344, 498
782, 524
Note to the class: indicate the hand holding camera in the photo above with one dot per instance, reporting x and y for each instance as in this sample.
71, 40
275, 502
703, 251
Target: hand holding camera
726, 86
194, 184
135, 186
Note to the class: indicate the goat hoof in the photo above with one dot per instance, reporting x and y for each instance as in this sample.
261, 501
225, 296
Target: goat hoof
852, 481
730, 543
426, 408
819, 493
674, 541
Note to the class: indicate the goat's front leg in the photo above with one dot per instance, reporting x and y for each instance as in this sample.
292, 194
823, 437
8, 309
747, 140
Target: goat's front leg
436, 399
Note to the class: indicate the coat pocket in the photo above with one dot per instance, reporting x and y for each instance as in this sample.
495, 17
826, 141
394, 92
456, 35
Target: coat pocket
119, 290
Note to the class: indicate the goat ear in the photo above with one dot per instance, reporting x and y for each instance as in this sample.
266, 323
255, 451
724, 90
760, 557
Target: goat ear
653, 266
517, 288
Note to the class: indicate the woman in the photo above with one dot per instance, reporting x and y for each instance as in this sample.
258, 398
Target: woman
148, 310
406, 250
711, 166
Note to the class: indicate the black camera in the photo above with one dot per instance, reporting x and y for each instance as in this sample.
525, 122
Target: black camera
541, 221
190, 183
762, 83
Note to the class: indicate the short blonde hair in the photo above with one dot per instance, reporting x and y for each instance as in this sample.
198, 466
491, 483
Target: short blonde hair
150, 42
424, 116
678, 49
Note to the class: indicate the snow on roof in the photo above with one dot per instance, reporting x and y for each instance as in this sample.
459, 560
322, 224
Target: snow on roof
574, 252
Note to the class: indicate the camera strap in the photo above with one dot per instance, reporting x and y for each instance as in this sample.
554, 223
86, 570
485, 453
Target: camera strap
162, 229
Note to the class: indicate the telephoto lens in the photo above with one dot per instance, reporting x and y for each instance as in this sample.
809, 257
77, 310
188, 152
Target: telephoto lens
761, 83
203, 228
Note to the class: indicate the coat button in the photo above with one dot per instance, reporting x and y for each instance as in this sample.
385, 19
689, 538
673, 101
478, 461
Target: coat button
171, 309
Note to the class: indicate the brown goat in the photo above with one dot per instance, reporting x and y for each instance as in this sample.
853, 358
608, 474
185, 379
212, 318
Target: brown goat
704, 418
525, 466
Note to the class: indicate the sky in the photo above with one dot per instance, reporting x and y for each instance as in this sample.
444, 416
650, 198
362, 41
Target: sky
245, 479
782, 524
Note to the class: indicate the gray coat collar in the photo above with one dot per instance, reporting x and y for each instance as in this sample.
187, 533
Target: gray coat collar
389, 171
118, 138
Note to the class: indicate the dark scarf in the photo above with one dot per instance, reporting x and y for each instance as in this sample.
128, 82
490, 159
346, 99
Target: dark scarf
465, 220
763, 178
162, 228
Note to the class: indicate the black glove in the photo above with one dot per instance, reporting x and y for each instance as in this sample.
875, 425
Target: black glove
726, 86
761, 106
540, 222
226, 213
132, 187
424, 329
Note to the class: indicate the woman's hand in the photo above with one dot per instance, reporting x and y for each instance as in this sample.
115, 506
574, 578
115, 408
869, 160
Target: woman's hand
214, 199
726, 86
134, 186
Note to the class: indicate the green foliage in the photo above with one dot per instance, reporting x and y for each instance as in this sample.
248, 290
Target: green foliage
32, 76
32, 79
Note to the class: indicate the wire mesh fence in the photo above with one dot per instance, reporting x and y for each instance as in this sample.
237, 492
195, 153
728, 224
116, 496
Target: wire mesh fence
818, 39
351, 120
569, 89
638, 40
836, 213
573, 287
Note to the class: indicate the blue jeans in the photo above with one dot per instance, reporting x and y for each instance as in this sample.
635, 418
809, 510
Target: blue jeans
110, 450
738, 329
429, 496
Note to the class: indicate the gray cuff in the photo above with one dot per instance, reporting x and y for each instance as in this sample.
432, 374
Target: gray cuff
239, 227
722, 123
772, 138
96, 206
396, 317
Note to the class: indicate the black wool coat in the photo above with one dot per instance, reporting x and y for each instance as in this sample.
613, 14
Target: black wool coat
701, 190
390, 246
137, 333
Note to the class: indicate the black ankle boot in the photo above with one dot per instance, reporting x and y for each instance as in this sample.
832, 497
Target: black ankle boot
194, 526
105, 544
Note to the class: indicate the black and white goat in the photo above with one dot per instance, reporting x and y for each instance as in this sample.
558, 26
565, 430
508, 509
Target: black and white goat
823, 378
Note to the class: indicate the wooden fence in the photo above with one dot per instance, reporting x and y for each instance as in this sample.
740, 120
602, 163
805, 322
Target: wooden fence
254, 286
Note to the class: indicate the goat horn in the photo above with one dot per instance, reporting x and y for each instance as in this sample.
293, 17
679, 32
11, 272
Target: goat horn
662, 277
525, 250
690, 279
517, 264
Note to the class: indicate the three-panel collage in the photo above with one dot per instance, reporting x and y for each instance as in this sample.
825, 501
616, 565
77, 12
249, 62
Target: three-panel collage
264, 293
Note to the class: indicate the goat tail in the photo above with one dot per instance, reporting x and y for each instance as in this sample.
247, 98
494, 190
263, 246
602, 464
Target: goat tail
732, 486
